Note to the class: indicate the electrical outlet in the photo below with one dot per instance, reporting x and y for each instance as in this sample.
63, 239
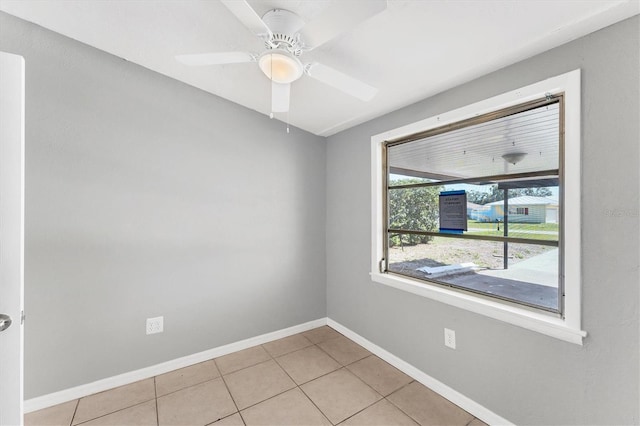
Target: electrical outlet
449, 338
155, 325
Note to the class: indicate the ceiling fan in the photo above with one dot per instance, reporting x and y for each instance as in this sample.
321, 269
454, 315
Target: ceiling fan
287, 38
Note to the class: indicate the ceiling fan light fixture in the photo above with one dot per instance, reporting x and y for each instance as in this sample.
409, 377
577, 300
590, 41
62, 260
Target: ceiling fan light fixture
280, 66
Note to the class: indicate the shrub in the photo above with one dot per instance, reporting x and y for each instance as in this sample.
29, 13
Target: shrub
413, 209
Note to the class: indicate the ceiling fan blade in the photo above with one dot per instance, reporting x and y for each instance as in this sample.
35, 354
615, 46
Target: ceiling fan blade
249, 18
349, 85
280, 94
340, 17
216, 58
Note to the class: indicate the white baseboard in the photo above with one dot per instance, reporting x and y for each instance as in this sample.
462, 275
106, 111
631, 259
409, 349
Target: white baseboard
70, 394
445, 391
452, 395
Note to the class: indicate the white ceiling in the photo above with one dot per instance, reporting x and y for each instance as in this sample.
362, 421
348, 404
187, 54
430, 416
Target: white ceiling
412, 50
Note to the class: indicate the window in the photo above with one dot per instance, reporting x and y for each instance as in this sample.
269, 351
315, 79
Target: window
524, 211
478, 172
474, 207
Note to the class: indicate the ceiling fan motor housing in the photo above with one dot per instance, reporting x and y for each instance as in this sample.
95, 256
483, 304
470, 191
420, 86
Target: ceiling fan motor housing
285, 26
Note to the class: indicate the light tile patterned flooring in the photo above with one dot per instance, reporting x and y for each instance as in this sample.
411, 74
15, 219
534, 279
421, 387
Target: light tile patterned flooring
318, 377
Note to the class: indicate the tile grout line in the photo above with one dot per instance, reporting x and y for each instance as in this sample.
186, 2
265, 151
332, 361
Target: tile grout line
294, 382
367, 385
226, 417
314, 404
401, 410
229, 392
155, 392
342, 367
240, 369
472, 420
414, 419
299, 387
365, 408
75, 410
222, 376
329, 355
311, 380
267, 399
308, 381
253, 365
337, 337
293, 351
385, 397
187, 387
113, 412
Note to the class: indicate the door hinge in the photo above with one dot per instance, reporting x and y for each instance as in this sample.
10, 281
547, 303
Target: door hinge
22, 317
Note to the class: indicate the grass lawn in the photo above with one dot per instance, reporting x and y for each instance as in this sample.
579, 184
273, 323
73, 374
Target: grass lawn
536, 231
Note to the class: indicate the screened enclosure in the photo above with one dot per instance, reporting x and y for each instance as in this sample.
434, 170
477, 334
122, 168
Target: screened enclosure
477, 205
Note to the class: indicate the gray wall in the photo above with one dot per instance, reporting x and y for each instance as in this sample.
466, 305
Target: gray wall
523, 376
147, 197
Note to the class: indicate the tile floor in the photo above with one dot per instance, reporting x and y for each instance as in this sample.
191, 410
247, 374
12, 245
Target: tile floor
318, 377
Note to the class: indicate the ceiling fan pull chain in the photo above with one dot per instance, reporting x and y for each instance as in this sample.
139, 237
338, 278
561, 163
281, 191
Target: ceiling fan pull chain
271, 78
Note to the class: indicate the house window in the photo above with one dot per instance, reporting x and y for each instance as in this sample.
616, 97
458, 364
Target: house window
473, 208
519, 211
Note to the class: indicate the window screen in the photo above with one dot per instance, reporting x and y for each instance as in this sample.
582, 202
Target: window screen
476, 205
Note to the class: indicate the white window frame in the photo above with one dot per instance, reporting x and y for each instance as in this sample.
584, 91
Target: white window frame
568, 327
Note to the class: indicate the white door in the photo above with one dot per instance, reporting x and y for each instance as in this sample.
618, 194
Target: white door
11, 236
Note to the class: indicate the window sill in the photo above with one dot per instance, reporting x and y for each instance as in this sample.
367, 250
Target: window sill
549, 325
